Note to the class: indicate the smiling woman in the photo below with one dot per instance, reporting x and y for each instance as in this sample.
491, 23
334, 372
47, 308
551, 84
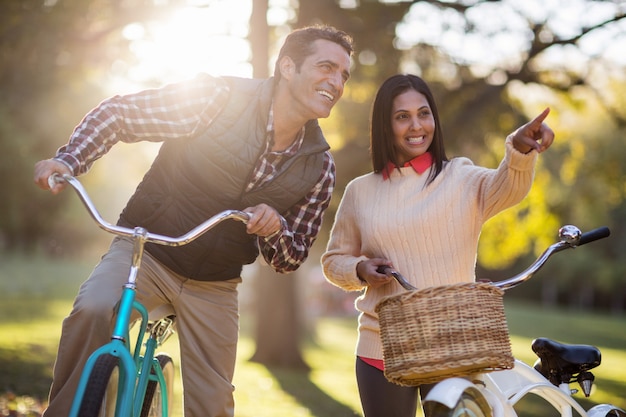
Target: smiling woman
209, 38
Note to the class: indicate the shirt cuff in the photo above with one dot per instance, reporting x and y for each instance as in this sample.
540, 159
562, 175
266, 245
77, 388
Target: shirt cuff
274, 237
69, 161
519, 160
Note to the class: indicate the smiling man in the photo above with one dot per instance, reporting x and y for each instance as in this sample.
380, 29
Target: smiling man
228, 143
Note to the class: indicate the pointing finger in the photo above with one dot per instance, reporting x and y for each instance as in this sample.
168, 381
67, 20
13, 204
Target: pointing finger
536, 122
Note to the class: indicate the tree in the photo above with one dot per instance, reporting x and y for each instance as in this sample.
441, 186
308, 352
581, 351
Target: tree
276, 319
533, 67
483, 96
48, 81
54, 75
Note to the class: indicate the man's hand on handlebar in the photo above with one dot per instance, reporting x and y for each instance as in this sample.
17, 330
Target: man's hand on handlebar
45, 169
264, 220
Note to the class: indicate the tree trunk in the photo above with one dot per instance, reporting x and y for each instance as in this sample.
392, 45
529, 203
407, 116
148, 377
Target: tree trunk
277, 326
277, 318
259, 39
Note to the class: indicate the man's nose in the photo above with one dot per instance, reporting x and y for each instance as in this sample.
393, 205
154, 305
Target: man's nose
336, 81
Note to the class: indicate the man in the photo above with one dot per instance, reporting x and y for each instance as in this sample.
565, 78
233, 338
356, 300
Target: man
228, 143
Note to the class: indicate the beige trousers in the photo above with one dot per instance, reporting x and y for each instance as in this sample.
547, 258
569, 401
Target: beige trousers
207, 323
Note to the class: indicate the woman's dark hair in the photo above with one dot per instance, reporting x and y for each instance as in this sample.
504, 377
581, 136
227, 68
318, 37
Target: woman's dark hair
382, 147
299, 44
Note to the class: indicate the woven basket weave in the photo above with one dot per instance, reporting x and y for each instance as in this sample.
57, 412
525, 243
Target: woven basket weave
441, 332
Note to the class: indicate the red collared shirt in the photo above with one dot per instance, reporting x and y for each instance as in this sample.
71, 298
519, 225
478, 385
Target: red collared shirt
420, 164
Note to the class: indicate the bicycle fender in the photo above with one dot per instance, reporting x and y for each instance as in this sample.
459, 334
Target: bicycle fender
448, 391
603, 410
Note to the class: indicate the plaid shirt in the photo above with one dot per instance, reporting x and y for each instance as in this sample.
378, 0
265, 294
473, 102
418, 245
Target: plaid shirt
181, 110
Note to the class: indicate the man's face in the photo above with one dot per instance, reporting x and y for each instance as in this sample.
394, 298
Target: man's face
320, 81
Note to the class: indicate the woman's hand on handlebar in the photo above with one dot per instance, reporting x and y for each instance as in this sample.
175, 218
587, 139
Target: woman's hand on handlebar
45, 169
264, 220
367, 271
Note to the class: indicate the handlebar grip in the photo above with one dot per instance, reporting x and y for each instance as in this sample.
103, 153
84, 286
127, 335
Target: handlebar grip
54, 179
384, 269
593, 235
390, 272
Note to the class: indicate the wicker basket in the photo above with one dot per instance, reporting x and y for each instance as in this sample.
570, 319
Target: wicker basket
441, 332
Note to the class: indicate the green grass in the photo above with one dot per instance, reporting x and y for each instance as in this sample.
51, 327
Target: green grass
35, 296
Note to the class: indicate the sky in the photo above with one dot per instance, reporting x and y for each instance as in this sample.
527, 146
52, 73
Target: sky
501, 31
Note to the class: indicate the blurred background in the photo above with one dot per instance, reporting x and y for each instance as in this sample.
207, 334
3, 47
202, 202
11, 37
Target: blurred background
492, 66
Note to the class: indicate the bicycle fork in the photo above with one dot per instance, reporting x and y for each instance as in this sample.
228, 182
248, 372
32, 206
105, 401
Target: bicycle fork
117, 347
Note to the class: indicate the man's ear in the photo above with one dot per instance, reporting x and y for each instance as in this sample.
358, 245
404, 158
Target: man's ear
287, 67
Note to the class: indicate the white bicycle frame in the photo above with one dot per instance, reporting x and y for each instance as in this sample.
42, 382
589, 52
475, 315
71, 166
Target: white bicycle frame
503, 389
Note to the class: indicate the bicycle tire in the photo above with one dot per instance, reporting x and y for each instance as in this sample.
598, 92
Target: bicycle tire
102, 381
152, 400
470, 404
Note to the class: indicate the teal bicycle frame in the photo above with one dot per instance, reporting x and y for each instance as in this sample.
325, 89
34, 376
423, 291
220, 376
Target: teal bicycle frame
136, 369
119, 346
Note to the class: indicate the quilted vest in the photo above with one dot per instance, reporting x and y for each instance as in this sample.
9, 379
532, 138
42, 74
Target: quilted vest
194, 178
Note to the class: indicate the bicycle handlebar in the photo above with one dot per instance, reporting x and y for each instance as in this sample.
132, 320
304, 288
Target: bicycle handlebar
139, 231
570, 237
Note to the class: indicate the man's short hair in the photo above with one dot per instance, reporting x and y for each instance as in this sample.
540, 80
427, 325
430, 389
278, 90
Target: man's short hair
299, 44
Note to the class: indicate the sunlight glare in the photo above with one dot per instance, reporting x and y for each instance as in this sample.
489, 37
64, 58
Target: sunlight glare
208, 39
207, 36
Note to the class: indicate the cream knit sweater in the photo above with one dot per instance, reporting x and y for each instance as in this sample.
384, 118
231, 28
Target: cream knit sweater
429, 232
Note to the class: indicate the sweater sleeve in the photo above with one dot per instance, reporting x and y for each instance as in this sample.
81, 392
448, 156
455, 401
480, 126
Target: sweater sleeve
510, 183
343, 252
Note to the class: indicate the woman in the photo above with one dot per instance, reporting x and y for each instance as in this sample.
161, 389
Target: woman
419, 213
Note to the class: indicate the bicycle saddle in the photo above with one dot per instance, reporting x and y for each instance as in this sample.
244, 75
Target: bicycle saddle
559, 362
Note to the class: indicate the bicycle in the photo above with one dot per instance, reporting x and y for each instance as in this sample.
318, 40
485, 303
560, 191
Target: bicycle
126, 377
494, 394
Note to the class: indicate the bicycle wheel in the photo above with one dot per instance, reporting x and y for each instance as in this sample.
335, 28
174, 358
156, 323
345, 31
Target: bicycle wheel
100, 394
152, 405
471, 404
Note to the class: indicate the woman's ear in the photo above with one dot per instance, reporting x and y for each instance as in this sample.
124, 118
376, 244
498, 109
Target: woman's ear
287, 67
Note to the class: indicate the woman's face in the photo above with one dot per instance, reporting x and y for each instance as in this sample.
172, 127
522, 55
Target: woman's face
413, 125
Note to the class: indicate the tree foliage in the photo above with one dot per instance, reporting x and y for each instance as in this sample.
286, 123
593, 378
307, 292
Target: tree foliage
492, 65
578, 180
56, 55
480, 103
